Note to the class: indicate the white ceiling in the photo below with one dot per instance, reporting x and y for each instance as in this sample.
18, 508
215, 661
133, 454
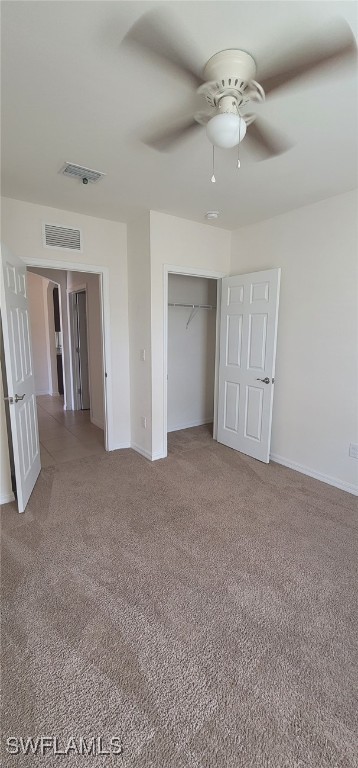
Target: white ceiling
71, 92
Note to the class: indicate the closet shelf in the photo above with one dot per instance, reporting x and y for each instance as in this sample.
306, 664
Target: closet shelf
194, 308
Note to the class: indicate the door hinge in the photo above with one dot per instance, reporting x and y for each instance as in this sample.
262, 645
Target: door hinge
79, 390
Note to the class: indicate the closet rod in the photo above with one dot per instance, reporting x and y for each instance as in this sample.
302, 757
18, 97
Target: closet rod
194, 309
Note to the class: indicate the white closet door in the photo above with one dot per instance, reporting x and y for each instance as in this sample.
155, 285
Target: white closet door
249, 312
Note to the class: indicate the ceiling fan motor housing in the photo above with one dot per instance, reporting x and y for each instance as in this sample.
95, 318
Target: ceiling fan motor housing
230, 83
230, 68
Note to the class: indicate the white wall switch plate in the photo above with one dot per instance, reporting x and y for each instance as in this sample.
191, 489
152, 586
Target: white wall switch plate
142, 355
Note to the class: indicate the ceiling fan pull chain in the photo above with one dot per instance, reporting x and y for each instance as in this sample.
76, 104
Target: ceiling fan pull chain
238, 148
213, 179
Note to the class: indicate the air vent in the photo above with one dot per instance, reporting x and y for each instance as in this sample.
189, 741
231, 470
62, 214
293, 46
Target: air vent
86, 175
61, 237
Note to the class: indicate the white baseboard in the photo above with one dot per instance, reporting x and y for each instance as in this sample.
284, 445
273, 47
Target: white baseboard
119, 447
188, 425
147, 454
142, 451
156, 456
96, 422
341, 484
6, 498
47, 392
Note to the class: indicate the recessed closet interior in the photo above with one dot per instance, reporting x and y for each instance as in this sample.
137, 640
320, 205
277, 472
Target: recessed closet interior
191, 350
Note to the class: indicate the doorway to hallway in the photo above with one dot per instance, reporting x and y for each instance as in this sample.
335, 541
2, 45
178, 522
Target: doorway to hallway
65, 435
65, 418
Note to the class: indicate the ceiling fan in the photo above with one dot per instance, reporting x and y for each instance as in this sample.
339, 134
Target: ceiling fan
227, 83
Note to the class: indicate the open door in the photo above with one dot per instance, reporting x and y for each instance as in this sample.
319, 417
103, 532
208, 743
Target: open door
248, 330
20, 376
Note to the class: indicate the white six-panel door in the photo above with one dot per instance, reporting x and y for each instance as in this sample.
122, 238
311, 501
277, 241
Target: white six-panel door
20, 376
248, 329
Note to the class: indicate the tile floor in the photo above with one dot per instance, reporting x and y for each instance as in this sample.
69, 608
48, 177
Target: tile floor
65, 435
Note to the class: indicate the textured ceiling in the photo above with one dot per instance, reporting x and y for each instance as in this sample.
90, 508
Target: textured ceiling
71, 92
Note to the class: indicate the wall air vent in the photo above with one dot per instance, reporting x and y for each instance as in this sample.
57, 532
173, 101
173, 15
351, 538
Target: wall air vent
86, 175
61, 237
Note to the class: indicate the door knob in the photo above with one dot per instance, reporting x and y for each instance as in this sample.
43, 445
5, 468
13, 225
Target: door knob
264, 381
14, 399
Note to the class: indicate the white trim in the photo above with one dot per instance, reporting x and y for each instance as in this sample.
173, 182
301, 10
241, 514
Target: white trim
217, 359
156, 456
341, 484
103, 272
194, 272
7, 498
188, 425
142, 451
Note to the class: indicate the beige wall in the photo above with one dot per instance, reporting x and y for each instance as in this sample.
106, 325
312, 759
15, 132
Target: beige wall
139, 289
40, 296
182, 243
153, 241
95, 351
59, 276
315, 404
104, 244
37, 296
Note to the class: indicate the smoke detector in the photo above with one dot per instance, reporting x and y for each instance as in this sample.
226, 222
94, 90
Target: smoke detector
210, 215
86, 175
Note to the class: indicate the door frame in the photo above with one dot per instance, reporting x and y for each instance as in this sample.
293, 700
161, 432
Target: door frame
103, 273
76, 400
190, 272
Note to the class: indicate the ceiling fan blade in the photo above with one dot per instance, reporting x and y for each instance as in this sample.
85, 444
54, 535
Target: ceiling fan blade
156, 35
265, 141
174, 134
336, 47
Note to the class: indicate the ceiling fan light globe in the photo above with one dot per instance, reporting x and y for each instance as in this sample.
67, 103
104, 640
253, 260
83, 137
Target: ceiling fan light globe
226, 130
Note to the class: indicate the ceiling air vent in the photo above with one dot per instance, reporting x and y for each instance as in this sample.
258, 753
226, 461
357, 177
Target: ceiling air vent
62, 237
86, 175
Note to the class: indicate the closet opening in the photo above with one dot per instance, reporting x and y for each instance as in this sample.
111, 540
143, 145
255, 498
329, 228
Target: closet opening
191, 360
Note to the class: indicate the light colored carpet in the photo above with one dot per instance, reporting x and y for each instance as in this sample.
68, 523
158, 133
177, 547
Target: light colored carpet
203, 608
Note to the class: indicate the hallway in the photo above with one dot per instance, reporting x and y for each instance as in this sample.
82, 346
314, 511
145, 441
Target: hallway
65, 435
